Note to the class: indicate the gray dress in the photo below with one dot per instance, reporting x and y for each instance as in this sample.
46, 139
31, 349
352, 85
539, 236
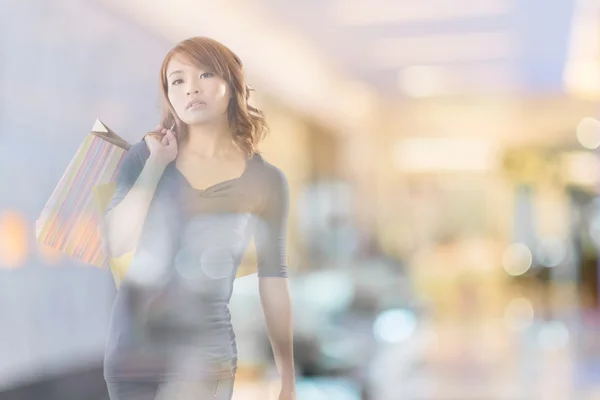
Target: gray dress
170, 318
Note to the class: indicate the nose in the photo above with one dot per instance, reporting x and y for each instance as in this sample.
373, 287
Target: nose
192, 87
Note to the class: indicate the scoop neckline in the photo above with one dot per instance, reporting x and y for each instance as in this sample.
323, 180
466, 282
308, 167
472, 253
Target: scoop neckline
218, 184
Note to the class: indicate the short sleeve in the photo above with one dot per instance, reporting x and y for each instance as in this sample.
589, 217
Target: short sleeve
270, 233
130, 169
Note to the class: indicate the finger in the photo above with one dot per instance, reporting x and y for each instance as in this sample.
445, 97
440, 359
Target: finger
151, 136
171, 138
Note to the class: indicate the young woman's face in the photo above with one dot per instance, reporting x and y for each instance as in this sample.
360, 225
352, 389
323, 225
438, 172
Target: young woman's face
198, 95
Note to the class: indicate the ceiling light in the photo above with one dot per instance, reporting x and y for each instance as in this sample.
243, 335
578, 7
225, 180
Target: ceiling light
357, 13
430, 49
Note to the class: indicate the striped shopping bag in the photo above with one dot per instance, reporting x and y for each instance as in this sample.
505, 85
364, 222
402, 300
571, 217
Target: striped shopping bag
70, 219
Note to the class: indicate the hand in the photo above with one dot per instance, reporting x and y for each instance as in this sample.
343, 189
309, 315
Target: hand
162, 144
287, 395
287, 392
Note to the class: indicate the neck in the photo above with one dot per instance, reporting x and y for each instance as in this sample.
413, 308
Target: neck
207, 141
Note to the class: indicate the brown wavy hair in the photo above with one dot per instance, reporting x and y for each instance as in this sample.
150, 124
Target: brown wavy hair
247, 122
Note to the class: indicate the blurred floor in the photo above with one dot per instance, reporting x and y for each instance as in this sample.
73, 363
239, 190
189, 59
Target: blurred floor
453, 360
546, 361
542, 363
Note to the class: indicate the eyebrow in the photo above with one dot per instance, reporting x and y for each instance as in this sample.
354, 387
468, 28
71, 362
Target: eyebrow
175, 72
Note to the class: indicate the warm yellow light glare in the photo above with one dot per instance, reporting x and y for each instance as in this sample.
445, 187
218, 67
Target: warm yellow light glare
588, 133
517, 259
13, 239
446, 155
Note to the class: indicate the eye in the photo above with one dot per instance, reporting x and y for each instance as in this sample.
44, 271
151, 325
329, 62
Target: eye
177, 81
206, 75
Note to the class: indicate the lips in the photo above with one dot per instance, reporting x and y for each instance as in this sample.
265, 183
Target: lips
195, 103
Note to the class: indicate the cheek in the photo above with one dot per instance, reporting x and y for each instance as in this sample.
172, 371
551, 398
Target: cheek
222, 96
222, 90
176, 101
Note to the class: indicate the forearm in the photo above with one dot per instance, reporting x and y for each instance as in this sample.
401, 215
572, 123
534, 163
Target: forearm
277, 307
124, 222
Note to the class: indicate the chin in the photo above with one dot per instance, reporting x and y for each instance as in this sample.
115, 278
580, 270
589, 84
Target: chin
199, 119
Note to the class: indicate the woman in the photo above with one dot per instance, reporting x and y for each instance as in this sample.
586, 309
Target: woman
188, 200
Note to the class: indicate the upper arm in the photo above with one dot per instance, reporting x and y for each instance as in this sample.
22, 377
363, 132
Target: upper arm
271, 228
130, 169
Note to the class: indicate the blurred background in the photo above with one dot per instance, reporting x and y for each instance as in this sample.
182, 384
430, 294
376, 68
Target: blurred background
445, 218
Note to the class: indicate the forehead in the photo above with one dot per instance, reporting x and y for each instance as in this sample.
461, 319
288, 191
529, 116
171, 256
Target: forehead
180, 63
